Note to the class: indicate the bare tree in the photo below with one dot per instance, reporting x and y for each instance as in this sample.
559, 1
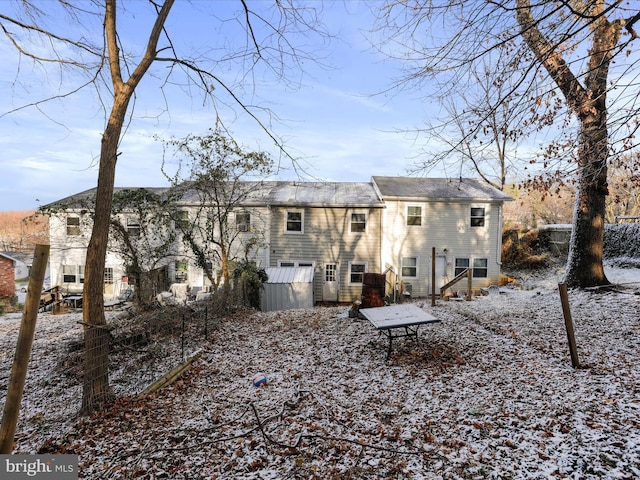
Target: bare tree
214, 193
482, 126
565, 47
116, 72
142, 236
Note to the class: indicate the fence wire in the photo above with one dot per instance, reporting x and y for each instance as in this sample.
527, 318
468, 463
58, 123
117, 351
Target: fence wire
141, 349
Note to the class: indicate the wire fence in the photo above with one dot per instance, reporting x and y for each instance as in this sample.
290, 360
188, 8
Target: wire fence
144, 347
141, 349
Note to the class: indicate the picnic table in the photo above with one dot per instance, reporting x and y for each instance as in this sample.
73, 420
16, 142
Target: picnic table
397, 321
74, 301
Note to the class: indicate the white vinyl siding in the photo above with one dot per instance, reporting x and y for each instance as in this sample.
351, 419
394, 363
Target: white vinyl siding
328, 239
446, 227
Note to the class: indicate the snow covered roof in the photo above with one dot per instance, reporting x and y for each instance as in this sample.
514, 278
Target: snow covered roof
8, 257
289, 274
86, 198
329, 194
310, 194
413, 188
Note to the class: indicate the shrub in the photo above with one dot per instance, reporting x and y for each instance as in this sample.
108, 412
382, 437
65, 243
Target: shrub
248, 283
531, 251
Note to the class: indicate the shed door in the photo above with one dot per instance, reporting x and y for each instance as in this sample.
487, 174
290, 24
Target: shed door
330, 284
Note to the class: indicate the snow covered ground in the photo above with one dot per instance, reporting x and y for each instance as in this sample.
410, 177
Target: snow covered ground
488, 393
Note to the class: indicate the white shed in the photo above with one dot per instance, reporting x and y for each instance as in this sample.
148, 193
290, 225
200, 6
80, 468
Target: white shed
287, 288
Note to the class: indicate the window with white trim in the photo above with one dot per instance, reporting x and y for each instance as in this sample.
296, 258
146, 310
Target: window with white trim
69, 273
461, 264
243, 221
296, 263
133, 227
477, 216
73, 226
330, 272
358, 223
480, 268
108, 275
414, 215
182, 220
356, 272
295, 222
409, 267
182, 271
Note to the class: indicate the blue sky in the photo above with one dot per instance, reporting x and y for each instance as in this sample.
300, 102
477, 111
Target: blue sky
332, 119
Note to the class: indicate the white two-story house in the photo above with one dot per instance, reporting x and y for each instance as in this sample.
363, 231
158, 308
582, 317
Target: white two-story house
341, 229
460, 219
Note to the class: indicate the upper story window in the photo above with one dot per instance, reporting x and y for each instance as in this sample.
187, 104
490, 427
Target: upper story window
477, 216
358, 223
409, 267
480, 268
295, 222
182, 220
73, 226
133, 227
243, 222
414, 215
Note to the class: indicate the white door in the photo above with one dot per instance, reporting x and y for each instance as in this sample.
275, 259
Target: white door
330, 283
441, 272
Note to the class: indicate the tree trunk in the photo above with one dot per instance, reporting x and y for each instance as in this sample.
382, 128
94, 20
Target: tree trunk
588, 102
584, 265
96, 392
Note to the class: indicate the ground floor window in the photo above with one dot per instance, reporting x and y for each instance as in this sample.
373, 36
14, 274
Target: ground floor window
461, 265
182, 271
69, 273
296, 263
409, 267
356, 272
108, 275
480, 268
